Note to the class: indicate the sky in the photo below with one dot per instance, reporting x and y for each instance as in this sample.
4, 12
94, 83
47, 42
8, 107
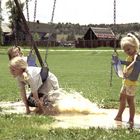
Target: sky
83, 12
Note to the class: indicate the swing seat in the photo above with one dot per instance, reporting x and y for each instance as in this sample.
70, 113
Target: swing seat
116, 62
44, 73
31, 60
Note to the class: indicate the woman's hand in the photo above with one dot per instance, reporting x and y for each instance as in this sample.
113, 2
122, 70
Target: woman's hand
39, 103
39, 108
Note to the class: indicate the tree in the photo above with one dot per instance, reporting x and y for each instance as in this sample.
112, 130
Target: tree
71, 37
15, 21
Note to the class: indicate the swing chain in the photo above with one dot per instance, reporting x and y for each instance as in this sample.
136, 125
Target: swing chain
115, 53
35, 10
27, 8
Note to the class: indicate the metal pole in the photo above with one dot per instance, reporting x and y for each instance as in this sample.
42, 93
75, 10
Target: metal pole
114, 11
0, 24
114, 43
53, 11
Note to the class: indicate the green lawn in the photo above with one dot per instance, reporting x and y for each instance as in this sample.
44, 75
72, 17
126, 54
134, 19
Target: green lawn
87, 72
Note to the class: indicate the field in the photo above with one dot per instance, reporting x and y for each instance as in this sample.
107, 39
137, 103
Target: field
86, 71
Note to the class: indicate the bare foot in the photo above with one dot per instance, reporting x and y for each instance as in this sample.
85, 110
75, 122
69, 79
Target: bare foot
131, 124
118, 119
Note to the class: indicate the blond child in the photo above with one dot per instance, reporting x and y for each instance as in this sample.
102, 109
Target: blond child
14, 51
32, 76
130, 45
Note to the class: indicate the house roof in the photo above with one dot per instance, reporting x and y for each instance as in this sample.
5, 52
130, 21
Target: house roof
33, 26
103, 32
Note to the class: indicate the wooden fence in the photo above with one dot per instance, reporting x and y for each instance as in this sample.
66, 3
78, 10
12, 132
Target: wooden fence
95, 43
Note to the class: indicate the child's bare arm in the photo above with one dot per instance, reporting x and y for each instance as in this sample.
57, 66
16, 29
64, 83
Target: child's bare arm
24, 98
130, 67
132, 63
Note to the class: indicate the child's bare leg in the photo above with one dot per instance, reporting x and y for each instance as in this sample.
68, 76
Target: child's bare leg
121, 107
131, 103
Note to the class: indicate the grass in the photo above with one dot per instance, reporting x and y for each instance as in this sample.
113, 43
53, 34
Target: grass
85, 71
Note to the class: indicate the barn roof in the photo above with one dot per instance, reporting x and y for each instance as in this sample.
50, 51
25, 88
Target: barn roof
102, 33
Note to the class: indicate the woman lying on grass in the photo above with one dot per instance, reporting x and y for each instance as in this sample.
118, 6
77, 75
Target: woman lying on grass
46, 95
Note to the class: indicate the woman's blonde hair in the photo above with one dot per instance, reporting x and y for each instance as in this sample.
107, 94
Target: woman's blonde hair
18, 62
11, 51
130, 40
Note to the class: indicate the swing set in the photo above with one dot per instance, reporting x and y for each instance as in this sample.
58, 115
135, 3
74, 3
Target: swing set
116, 62
31, 60
31, 56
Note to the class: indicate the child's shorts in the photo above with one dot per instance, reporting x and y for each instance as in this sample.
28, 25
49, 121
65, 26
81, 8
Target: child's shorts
128, 90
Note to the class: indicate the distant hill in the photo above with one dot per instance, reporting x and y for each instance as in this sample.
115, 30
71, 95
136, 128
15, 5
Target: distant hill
77, 29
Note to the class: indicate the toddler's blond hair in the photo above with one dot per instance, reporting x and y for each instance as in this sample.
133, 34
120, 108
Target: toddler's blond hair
130, 40
11, 50
18, 62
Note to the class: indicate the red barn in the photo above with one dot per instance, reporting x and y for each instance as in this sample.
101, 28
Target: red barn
96, 37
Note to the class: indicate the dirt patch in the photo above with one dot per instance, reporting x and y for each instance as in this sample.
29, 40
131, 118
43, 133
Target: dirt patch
104, 118
12, 107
